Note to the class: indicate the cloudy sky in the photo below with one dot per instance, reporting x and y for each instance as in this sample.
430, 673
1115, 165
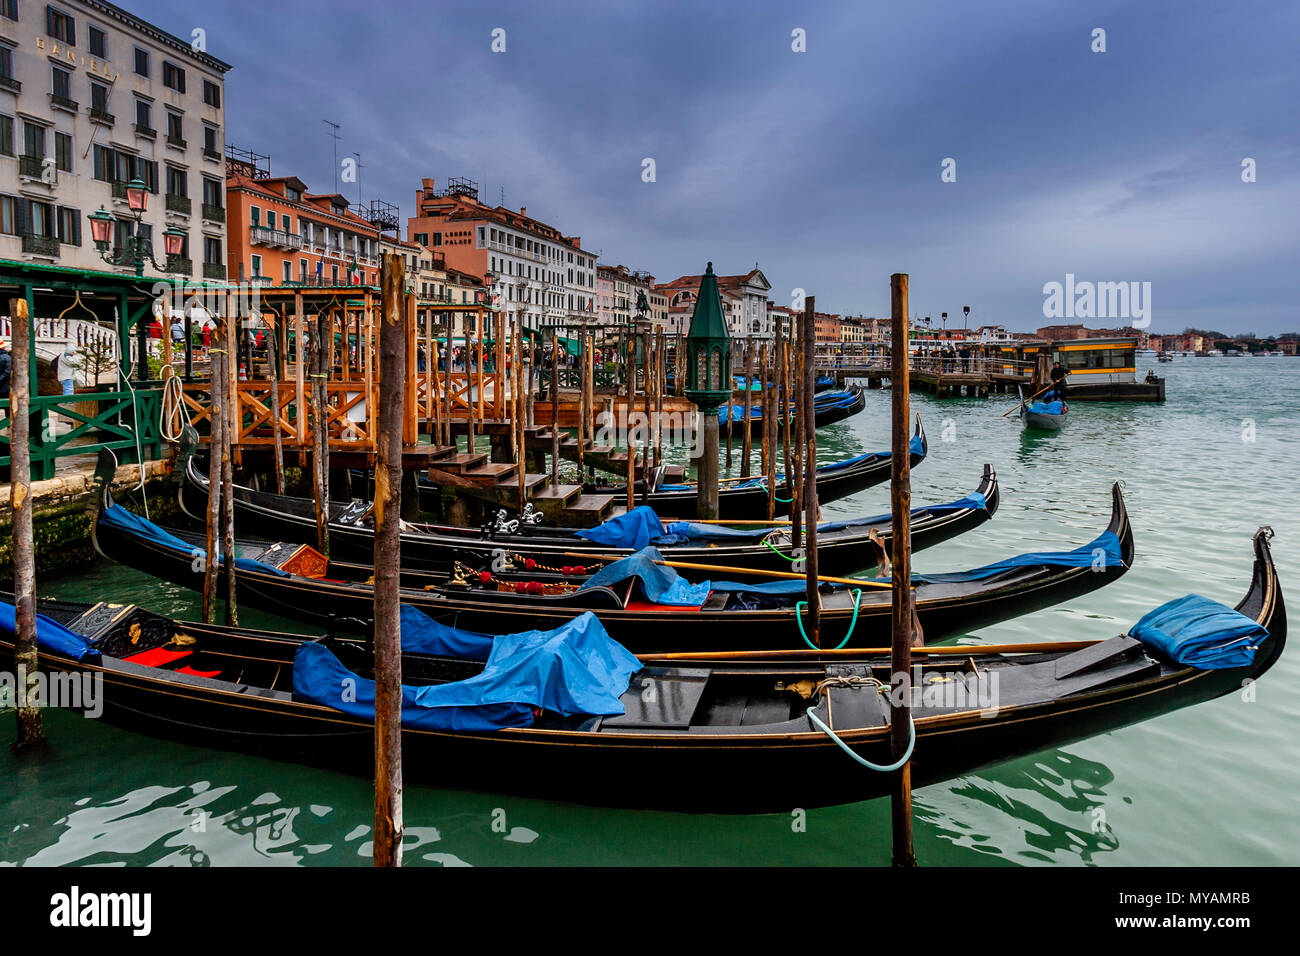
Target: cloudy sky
822, 166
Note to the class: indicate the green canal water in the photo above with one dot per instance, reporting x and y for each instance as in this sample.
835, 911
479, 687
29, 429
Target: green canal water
1214, 784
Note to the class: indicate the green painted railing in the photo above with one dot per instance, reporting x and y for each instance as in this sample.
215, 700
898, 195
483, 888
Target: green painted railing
118, 418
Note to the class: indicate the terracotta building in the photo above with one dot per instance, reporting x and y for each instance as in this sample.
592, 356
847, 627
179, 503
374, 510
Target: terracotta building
279, 233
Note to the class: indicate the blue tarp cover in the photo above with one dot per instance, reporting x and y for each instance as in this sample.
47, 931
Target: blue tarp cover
115, 516
50, 634
683, 532
421, 634
633, 529
1196, 631
1047, 408
916, 448
575, 669
1104, 550
659, 584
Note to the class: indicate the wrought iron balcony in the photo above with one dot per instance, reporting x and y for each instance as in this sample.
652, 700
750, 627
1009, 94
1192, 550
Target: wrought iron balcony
180, 264
175, 141
40, 245
119, 191
33, 166
142, 130
214, 270
102, 116
215, 213
180, 204
9, 83
211, 153
63, 102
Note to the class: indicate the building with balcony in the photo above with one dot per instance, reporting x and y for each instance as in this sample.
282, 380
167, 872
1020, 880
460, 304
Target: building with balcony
282, 234
538, 274
744, 301
92, 98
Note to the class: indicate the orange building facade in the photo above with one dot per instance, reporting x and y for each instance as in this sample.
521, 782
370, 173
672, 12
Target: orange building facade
279, 234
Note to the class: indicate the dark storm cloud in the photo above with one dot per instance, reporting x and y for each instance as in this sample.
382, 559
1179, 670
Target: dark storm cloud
824, 166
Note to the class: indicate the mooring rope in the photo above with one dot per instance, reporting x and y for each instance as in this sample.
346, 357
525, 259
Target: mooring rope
880, 768
857, 600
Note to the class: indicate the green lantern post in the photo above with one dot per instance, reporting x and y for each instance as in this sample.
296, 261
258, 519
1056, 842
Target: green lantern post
708, 383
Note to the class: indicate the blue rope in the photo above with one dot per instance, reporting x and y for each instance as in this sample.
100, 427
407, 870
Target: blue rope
888, 768
857, 600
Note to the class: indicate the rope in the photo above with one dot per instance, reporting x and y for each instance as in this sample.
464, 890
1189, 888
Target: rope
173, 404
768, 544
857, 599
886, 768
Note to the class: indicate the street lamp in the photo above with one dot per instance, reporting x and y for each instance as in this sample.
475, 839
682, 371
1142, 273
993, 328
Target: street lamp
708, 382
137, 248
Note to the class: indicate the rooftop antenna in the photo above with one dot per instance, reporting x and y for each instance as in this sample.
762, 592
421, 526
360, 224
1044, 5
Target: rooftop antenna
334, 134
359, 167
502, 203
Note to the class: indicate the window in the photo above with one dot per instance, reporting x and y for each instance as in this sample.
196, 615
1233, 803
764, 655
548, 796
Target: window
422, 238
176, 182
334, 275
69, 226
61, 83
98, 97
302, 270
63, 151
143, 114
255, 215
7, 135
437, 238
40, 218
288, 271
210, 140
141, 62
257, 265
173, 77
97, 40
286, 222
33, 140
6, 62
9, 9
211, 192
60, 26
212, 251
211, 94
175, 127
293, 195
145, 170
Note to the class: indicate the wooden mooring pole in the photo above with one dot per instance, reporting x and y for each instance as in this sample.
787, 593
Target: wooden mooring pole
31, 732
273, 354
807, 415
216, 402
229, 413
320, 430
388, 509
900, 496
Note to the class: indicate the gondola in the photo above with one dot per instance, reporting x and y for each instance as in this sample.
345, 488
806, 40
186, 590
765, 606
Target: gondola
1045, 416
717, 735
844, 546
828, 409
823, 383
741, 500
648, 609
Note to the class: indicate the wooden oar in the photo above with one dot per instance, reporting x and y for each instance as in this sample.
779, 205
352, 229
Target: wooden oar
1029, 399
960, 650
786, 575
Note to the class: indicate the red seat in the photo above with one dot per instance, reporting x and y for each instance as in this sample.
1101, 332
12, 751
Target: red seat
192, 672
156, 657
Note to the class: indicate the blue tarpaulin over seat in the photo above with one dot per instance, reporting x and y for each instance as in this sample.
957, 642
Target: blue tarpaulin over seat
115, 516
659, 584
633, 529
1102, 552
683, 532
572, 670
1198, 632
50, 634
421, 634
1047, 408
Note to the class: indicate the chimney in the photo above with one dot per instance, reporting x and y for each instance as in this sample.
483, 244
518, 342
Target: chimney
523, 211
427, 184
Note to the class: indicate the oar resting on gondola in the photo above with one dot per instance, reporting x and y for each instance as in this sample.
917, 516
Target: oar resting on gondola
843, 544
646, 606
570, 714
